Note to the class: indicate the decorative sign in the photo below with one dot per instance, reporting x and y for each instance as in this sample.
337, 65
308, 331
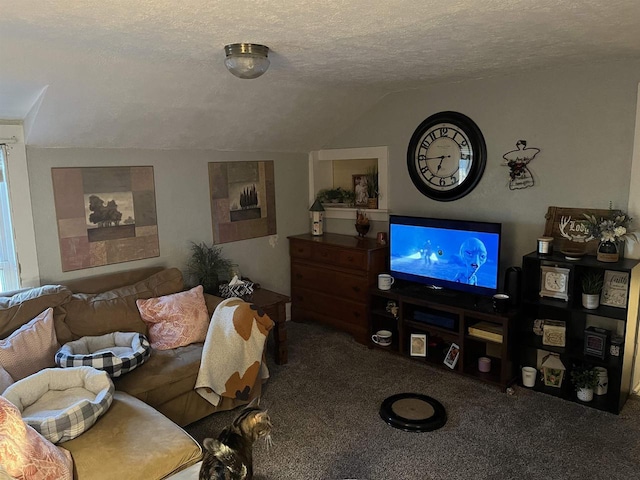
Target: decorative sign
569, 228
614, 289
105, 215
517, 160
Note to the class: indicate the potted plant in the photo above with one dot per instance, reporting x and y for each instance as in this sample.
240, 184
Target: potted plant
591, 286
208, 266
584, 379
372, 187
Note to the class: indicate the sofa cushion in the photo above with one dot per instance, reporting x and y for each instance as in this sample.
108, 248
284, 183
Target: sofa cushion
5, 380
116, 310
175, 320
20, 307
167, 374
25, 453
30, 348
144, 444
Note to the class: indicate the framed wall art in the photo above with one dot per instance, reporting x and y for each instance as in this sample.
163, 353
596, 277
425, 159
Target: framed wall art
105, 215
243, 202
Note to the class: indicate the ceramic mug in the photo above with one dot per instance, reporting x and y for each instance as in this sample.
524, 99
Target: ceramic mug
501, 302
382, 337
385, 281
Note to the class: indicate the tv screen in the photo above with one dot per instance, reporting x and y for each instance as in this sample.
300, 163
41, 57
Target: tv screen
453, 254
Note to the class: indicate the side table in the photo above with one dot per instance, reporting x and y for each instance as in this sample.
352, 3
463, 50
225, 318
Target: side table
274, 305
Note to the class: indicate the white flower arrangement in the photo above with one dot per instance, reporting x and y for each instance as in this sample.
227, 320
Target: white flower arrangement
611, 229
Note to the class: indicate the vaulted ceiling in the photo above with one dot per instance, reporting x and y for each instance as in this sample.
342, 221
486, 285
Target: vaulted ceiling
150, 73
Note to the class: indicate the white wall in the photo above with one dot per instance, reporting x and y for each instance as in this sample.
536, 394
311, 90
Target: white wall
581, 118
183, 208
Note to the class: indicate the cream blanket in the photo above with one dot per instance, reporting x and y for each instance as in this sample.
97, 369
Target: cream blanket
233, 351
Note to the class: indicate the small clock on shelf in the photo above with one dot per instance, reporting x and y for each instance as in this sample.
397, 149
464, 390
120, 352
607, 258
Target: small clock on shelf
554, 282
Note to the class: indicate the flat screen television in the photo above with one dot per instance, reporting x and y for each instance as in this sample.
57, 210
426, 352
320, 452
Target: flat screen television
440, 253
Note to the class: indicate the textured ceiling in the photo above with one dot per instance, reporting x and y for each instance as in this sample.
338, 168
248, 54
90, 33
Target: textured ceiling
150, 73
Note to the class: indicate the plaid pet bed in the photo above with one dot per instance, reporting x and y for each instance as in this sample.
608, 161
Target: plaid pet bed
115, 353
39, 396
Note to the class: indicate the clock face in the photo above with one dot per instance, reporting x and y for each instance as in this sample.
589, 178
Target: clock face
556, 282
446, 156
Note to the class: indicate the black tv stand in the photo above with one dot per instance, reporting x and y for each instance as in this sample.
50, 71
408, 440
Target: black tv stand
442, 317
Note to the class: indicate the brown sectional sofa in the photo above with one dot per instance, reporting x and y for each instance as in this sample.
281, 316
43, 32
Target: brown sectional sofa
127, 437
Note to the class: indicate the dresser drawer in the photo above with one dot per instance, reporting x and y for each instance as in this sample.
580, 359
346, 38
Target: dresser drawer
299, 249
342, 285
342, 310
340, 257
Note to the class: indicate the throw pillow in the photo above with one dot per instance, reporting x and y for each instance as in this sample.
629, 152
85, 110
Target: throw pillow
25, 453
175, 320
30, 348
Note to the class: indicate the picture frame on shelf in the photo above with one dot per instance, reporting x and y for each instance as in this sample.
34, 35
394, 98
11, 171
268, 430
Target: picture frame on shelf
418, 346
615, 289
360, 189
451, 358
555, 282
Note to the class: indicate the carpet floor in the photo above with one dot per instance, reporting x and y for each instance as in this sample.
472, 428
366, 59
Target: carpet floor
324, 407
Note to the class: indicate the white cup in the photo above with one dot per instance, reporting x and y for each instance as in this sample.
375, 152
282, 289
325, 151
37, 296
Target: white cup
385, 281
529, 376
382, 337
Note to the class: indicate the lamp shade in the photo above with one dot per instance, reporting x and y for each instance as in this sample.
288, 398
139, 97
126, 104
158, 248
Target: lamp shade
246, 60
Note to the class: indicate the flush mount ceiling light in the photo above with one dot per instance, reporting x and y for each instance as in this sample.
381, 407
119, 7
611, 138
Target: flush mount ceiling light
246, 60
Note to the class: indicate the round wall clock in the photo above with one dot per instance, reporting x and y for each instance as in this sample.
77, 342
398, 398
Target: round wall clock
446, 156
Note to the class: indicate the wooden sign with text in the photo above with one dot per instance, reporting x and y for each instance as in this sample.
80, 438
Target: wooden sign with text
569, 228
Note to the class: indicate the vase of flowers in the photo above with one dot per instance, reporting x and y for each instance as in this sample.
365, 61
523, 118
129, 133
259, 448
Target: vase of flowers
610, 231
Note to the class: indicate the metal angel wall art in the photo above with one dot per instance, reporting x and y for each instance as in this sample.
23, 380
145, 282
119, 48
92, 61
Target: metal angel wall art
517, 160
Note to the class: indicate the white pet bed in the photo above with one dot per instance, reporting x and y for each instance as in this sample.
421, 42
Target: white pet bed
116, 353
62, 403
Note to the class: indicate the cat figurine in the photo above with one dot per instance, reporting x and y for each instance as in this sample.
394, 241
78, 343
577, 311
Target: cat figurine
230, 456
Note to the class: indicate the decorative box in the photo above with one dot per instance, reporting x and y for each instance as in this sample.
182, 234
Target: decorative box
554, 333
595, 341
615, 349
238, 290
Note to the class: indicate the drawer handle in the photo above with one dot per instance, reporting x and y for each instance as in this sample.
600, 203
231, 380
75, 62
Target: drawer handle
350, 258
357, 289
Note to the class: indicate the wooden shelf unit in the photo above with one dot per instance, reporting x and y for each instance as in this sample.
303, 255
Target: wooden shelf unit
624, 321
454, 313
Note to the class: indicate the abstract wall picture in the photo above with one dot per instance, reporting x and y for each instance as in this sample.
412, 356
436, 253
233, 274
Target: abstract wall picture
517, 160
243, 202
105, 215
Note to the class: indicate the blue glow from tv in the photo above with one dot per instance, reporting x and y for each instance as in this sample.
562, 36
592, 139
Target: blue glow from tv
452, 254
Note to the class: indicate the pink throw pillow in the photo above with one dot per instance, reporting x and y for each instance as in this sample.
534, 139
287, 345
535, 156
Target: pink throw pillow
25, 453
175, 320
30, 348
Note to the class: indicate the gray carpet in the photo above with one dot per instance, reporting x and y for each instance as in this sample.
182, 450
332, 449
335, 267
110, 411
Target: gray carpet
324, 407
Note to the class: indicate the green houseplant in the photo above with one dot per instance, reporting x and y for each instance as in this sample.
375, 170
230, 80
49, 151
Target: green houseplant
584, 379
591, 286
208, 266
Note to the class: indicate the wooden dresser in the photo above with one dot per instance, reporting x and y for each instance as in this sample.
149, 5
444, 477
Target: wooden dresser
330, 279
